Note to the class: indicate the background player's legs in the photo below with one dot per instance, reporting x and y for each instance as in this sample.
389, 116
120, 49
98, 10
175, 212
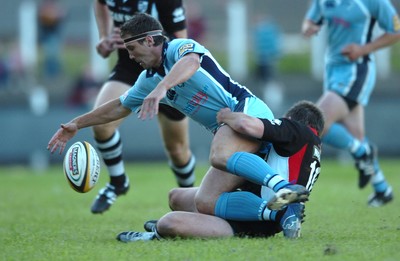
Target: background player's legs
109, 144
175, 135
346, 131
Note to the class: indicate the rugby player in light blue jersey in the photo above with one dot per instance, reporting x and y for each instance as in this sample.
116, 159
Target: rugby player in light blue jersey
350, 75
184, 75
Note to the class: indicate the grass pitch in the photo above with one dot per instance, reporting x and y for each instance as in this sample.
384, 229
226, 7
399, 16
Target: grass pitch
42, 218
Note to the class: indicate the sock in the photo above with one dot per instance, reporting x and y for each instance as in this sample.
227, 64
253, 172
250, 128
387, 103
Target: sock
276, 215
339, 137
256, 170
185, 175
378, 182
111, 152
240, 206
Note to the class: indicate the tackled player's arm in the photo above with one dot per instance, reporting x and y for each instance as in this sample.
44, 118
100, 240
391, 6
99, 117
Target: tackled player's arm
242, 123
108, 112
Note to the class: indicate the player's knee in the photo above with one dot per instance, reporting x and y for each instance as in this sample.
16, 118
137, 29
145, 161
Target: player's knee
177, 151
218, 161
104, 132
174, 198
168, 225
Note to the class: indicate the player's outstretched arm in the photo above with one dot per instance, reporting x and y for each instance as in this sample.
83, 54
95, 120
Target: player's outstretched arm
62, 136
241, 122
108, 112
180, 72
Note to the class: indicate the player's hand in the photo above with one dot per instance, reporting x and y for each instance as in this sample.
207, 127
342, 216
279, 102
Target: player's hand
222, 114
116, 39
105, 47
309, 28
61, 137
150, 104
353, 51
110, 43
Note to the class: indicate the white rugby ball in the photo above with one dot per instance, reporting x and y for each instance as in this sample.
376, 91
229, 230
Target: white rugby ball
82, 166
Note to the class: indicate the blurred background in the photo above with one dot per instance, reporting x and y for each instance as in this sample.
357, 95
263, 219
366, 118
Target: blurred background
50, 73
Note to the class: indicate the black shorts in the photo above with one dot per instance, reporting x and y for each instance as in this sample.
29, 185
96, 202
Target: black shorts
254, 228
127, 71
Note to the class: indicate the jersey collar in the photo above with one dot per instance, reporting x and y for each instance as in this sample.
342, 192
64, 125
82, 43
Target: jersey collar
161, 71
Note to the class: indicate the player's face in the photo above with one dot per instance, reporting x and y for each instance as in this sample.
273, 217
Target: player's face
142, 53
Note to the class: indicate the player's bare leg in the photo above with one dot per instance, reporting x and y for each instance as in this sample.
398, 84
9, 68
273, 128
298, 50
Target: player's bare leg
175, 135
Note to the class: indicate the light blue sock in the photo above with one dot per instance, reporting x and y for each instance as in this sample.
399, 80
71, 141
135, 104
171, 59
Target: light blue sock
256, 170
379, 183
240, 206
339, 137
378, 180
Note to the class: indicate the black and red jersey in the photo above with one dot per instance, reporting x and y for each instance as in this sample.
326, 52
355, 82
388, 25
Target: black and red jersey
295, 152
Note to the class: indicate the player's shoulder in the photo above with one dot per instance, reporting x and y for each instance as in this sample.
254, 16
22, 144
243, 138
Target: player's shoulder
183, 46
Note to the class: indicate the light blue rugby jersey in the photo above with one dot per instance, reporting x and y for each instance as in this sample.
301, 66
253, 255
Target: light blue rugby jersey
200, 97
352, 21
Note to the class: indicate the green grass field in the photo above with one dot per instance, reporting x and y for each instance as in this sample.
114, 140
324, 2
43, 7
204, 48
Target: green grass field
42, 218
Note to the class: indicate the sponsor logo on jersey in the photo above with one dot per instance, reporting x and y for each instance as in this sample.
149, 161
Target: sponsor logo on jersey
184, 49
121, 18
171, 94
332, 3
396, 23
199, 98
178, 15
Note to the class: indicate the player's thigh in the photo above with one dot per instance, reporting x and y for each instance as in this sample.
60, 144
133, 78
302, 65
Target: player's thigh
226, 142
354, 122
109, 91
214, 183
333, 107
174, 132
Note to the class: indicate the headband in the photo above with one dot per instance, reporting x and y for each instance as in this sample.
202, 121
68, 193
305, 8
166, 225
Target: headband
142, 35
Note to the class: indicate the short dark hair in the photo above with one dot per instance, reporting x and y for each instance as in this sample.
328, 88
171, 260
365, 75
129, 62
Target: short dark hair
141, 23
307, 113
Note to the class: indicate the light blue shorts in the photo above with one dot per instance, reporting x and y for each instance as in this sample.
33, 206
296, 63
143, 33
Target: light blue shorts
255, 107
353, 81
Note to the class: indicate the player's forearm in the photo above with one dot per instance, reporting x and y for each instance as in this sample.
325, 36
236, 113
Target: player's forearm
381, 42
108, 112
103, 19
244, 124
181, 71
